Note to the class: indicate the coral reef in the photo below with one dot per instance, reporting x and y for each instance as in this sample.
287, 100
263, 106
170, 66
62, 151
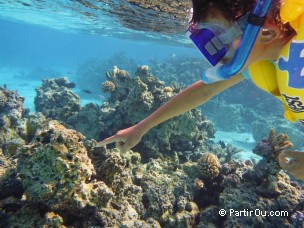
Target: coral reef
50, 176
11, 105
108, 86
271, 146
12, 126
167, 17
10, 184
145, 92
177, 68
297, 219
3, 99
260, 186
294, 131
55, 100
128, 94
208, 166
86, 121
172, 7
224, 152
92, 72
55, 154
56, 172
128, 193
161, 178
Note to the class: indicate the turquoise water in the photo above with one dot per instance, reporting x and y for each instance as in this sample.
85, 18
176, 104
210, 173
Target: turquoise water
46, 39
50, 176
56, 35
52, 35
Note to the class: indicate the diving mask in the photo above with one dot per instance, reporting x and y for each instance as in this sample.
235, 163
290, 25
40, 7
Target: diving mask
214, 40
216, 44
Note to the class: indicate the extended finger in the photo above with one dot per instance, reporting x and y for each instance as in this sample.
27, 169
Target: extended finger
106, 141
125, 147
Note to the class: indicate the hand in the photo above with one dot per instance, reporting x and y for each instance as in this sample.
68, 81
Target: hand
293, 162
124, 139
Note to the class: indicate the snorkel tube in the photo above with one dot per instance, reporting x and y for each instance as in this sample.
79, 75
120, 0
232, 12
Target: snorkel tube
255, 21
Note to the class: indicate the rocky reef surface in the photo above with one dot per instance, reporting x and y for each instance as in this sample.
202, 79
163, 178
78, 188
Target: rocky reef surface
127, 94
52, 176
55, 100
146, 93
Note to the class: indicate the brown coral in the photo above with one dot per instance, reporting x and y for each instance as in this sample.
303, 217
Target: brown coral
198, 184
121, 74
108, 86
208, 166
279, 142
3, 99
168, 89
142, 71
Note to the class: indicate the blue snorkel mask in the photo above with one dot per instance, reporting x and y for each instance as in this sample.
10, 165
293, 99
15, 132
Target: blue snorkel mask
215, 42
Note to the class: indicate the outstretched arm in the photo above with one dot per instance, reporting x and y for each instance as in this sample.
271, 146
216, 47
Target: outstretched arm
191, 97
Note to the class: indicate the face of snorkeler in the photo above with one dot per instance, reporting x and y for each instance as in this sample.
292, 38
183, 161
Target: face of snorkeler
267, 45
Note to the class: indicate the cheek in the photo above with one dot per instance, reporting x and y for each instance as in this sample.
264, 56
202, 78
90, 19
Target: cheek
236, 43
256, 50
253, 53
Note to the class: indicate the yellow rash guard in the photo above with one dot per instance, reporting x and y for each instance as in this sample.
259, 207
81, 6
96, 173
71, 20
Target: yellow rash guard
285, 78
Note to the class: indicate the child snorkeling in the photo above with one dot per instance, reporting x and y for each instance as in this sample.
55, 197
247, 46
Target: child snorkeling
228, 34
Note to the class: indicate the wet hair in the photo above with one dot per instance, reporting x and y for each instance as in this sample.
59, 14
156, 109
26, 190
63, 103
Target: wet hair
231, 9
234, 9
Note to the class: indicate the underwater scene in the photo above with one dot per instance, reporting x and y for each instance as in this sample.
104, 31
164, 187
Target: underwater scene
74, 73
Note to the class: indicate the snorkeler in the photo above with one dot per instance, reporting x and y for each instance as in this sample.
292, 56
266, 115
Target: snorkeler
260, 39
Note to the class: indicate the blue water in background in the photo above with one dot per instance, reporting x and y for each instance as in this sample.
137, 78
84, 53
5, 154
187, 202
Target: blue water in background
57, 35
61, 36
26, 45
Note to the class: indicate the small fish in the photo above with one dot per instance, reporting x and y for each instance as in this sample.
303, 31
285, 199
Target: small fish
109, 74
87, 91
71, 85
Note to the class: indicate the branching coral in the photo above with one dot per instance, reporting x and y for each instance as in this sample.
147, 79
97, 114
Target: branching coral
270, 147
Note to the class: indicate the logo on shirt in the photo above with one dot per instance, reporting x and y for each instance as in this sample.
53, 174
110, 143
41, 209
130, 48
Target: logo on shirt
302, 122
294, 65
294, 103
